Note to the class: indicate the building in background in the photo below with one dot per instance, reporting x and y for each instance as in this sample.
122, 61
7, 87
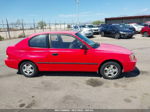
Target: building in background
128, 19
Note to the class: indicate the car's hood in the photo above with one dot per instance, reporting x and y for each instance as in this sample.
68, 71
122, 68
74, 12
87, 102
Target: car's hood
95, 28
113, 49
126, 30
86, 29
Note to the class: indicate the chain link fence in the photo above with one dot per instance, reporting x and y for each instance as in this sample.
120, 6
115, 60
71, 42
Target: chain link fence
22, 29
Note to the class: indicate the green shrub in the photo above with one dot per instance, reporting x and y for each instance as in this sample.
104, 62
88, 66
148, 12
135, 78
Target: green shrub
22, 35
1, 38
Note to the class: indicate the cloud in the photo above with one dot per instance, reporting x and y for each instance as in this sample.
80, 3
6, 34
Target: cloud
81, 15
144, 10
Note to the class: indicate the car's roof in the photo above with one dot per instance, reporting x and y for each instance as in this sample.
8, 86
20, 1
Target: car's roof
54, 32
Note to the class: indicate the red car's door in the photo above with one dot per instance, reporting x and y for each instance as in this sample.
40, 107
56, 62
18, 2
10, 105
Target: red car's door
65, 54
38, 51
72, 60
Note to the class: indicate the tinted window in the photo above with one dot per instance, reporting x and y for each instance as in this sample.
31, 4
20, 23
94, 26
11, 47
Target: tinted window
88, 41
39, 41
90, 26
64, 42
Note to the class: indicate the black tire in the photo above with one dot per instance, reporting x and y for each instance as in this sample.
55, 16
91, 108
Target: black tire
32, 69
108, 75
145, 34
130, 37
117, 36
102, 34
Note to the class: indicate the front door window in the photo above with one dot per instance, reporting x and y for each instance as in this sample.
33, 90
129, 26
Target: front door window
62, 41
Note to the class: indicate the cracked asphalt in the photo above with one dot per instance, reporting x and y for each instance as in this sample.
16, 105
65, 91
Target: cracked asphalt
75, 90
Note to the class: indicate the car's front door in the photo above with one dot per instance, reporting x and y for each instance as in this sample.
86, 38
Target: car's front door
65, 54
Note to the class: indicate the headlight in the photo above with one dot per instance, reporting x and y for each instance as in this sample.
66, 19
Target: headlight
123, 32
132, 57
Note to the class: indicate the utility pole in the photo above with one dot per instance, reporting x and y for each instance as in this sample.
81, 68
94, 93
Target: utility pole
8, 29
23, 27
4, 28
77, 10
34, 26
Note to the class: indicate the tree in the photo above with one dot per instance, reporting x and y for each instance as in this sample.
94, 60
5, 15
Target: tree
97, 22
18, 23
41, 24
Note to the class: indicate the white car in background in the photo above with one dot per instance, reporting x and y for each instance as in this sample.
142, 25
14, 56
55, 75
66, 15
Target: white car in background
95, 29
83, 30
137, 27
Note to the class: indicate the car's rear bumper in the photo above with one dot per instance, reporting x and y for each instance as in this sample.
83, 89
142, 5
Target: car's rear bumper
12, 63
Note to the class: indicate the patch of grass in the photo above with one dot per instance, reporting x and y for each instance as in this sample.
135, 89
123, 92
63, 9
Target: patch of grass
1, 38
22, 35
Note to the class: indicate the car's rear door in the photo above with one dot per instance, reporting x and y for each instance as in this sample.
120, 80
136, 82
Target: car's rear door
65, 54
38, 51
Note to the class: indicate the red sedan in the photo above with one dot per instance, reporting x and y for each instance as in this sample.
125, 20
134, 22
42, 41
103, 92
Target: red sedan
68, 51
146, 31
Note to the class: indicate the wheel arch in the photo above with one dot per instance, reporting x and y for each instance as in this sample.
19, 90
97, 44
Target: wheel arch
110, 60
25, 61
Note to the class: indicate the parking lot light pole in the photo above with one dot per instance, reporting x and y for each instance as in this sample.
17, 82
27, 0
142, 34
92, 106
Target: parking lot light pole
77, 9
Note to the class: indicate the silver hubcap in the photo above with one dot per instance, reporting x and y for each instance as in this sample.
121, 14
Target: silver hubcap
110, 70
102, 34
117, 36
28, 69
146, 34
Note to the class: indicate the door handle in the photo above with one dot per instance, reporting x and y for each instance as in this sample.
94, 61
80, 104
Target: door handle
55, 54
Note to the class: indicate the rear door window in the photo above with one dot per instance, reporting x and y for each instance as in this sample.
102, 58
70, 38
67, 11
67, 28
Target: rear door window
40, 41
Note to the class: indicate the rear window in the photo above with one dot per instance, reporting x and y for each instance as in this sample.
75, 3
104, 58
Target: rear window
39, 41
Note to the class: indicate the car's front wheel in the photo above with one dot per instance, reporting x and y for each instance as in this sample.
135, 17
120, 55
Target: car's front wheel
102, 34
117, 36
145, 34
110, 70
28, 69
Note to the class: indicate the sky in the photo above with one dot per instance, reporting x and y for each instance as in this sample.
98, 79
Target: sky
66, 10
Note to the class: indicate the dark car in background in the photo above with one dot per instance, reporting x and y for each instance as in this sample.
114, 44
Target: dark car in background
117, 31
128, 27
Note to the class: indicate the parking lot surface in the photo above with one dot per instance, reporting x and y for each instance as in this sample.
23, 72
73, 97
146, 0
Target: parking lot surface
75, 90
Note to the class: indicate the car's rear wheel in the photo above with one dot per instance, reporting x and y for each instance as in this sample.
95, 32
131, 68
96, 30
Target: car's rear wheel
145, 34
28, 69
110, 70
102, 34
117, 36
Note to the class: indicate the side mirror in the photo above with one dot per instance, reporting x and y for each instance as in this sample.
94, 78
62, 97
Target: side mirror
84, 47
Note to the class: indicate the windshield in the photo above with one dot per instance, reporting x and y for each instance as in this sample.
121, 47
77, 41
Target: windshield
88, 41
121, 27
90, 26
82, 26
138, 25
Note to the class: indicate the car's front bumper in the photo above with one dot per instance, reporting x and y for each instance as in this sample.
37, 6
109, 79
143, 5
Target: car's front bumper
88, 34
129, 66
126, 35
96, 31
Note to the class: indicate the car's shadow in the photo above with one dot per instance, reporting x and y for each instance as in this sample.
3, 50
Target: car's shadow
134, 73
